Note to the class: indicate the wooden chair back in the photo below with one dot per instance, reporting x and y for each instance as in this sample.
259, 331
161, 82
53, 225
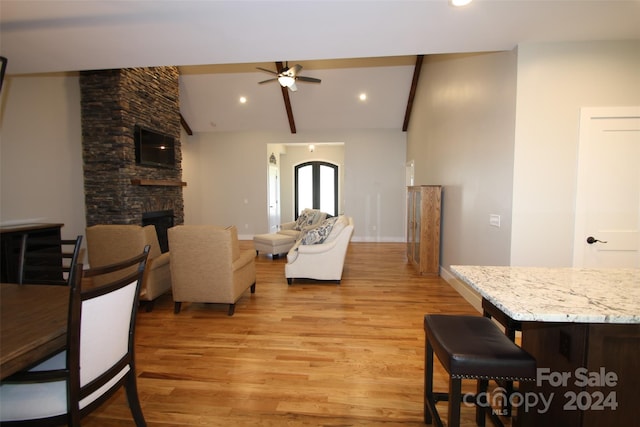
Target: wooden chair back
48, 261
101, 336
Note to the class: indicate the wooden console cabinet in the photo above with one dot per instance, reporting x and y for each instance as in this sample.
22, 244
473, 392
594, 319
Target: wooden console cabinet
10, 241
423, 228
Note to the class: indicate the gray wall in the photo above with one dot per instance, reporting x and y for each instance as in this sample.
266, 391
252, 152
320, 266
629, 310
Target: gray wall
41, 177
461, 137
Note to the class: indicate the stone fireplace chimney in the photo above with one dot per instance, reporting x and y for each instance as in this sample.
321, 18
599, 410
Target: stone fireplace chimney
117, 190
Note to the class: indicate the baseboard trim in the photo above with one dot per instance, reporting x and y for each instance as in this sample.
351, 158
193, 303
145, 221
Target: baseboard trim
355, 239
371, 239
463, 289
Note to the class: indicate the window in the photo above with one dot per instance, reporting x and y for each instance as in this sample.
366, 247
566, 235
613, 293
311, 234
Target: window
316, 186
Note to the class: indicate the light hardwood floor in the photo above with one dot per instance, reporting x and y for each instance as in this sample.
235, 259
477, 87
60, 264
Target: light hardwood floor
308, 354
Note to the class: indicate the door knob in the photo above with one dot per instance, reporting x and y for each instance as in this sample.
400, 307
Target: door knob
591, 240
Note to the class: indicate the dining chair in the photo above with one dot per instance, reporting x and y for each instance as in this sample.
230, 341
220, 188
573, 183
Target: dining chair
47, 261
98, 359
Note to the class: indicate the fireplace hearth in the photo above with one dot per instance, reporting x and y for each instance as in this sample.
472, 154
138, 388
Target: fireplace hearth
162, 220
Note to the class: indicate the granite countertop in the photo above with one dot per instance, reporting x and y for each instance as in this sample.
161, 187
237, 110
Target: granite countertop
558, 294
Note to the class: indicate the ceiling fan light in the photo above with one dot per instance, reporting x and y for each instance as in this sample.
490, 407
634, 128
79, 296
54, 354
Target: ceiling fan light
459, 3
286, 81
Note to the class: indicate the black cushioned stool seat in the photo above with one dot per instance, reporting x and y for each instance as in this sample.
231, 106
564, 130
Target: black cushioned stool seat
470, 347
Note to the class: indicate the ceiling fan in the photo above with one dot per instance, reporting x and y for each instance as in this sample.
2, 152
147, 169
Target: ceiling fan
287, 77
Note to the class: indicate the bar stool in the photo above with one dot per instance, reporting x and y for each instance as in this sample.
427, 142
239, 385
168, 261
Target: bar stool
470, 347
510, 328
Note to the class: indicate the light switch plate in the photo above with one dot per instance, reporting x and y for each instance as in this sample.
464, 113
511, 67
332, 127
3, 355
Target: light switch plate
494, 220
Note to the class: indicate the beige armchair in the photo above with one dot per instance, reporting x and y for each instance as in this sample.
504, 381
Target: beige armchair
208, 266
111, 243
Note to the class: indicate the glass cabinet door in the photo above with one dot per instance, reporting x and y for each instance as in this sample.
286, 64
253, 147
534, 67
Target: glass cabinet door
417, 203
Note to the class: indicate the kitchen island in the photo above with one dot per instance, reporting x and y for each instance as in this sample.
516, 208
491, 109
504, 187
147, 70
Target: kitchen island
583, 328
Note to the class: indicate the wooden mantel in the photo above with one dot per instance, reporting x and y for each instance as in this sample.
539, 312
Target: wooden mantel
159, 182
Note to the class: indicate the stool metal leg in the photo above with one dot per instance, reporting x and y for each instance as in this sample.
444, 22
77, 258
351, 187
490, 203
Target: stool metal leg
481, 402
455, 396
430, 398
510, 328
428, 382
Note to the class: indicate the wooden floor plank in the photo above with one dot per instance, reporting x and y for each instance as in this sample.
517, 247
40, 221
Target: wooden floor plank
309, 354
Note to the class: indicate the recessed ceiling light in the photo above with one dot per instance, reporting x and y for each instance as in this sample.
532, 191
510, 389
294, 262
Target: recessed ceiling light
459, 3
363, 96
243, 100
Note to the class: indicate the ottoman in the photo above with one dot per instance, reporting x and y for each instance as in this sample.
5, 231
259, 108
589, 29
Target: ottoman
273, 243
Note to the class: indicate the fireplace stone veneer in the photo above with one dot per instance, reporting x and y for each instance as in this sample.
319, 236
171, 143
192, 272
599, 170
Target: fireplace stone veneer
113, 102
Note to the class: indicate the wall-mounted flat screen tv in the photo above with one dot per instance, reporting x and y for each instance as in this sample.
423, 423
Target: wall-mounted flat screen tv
154, 148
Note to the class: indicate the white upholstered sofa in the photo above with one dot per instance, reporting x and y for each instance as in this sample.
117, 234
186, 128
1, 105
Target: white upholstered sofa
319, 253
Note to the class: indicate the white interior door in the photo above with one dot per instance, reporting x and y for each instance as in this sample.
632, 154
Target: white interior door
607, 226
274, 198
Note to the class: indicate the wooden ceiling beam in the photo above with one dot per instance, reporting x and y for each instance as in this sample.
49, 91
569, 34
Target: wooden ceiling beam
412, 92
185, 125
287, 101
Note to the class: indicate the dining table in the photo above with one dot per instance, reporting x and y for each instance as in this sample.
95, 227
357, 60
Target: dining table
33, 324
582, 326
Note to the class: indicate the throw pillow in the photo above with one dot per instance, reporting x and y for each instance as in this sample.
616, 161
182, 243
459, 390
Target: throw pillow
318, 234
305, 218
339, 225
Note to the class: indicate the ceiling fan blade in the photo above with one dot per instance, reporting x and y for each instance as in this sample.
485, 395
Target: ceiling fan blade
295, 70
308, 79
267, 71
267, 81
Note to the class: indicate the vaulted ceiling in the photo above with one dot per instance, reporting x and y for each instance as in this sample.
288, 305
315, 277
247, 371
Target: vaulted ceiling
354, 47
210, 96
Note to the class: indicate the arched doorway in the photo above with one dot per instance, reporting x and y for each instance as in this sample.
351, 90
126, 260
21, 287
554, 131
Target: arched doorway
316, 186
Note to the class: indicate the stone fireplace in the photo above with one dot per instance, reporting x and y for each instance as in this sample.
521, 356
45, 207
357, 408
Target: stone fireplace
117, 189
162, 220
